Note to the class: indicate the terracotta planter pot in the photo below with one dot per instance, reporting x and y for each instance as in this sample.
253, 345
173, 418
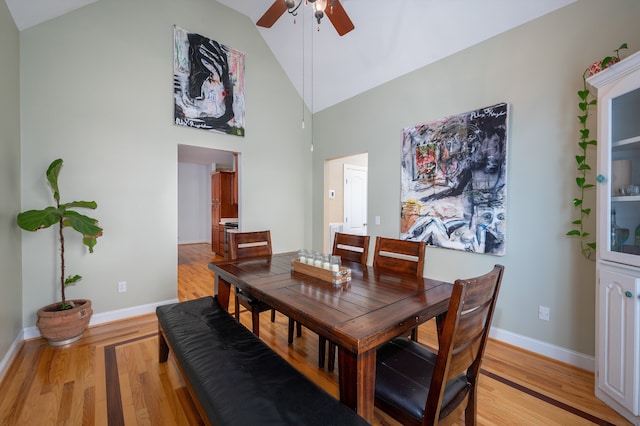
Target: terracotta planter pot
63, 327
596, 67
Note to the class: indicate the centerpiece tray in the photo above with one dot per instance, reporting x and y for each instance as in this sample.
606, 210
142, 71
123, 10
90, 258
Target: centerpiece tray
341, 276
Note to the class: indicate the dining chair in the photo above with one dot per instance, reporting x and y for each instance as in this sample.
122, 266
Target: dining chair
244, 245
419, 386
353, 248
400, 257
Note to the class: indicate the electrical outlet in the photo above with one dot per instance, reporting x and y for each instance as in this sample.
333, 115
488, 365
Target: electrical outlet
377, 218
544, 313
122, 287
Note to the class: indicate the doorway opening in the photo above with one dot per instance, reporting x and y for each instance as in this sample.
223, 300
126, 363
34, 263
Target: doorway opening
196, 223
345, 197
196, 217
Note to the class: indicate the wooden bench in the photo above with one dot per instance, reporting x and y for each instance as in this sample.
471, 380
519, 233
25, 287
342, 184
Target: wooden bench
234, 377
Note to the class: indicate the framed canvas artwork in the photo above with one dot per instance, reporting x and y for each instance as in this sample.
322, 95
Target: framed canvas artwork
208, 84
453, 184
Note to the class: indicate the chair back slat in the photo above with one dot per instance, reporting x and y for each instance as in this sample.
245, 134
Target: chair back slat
354, 248
472, 326
249, 244
399, 256
463, 338
463, 357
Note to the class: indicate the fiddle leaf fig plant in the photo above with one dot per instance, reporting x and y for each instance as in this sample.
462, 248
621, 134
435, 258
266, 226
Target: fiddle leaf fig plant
62, 215
587, 102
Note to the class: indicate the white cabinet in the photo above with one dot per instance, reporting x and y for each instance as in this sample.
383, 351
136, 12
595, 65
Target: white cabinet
618, 337
618, 250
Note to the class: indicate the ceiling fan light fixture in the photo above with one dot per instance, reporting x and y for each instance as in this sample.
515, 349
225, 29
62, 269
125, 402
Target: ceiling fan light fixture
318, 8
292, 8
335, 12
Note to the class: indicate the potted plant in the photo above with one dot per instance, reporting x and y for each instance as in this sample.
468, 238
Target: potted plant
586, 103
63, 322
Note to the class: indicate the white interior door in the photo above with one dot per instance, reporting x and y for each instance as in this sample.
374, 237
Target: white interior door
355, 199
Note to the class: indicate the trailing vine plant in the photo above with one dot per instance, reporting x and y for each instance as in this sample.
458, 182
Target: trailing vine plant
586, 104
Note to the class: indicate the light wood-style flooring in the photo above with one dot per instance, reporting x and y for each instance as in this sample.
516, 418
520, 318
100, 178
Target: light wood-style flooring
112, 375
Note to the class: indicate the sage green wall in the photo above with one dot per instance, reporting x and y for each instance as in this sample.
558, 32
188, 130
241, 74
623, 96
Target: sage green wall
10, 259
97, 90
537, 69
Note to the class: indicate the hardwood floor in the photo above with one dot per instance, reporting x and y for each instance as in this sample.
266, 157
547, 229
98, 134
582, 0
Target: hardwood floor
112, 375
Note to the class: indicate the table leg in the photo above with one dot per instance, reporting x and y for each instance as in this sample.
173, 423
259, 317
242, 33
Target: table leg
357, 379
222, 289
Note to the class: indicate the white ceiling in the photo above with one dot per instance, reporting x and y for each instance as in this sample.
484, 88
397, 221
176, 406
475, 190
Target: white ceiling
27, 13
391, 38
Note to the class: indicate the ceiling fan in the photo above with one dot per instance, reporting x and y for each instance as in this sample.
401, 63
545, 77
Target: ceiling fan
332, 8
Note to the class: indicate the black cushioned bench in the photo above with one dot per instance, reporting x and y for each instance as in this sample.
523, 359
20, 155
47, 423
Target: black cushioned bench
234, 377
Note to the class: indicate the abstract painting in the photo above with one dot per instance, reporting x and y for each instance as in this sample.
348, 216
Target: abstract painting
453, 184
208, 84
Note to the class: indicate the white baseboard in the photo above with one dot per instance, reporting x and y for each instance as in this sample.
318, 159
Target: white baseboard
549, 350
11, 354
537, 346
104, 317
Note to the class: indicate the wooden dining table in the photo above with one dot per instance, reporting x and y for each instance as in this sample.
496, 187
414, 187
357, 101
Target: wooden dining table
359, 315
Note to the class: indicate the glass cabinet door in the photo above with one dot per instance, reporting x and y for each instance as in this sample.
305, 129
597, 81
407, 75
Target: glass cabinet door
618, 187
619, 195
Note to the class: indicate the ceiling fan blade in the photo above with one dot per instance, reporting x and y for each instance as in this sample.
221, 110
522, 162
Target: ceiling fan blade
272, 14
338, 17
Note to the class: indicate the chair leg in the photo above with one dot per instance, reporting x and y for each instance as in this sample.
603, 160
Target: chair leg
332, 356
255, 319
470, 413
273, 315
237, 308
322, 346
414, 334
290, 334
292, 325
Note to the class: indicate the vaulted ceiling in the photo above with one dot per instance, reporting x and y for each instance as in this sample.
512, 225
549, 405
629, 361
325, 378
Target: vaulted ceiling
391, 38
